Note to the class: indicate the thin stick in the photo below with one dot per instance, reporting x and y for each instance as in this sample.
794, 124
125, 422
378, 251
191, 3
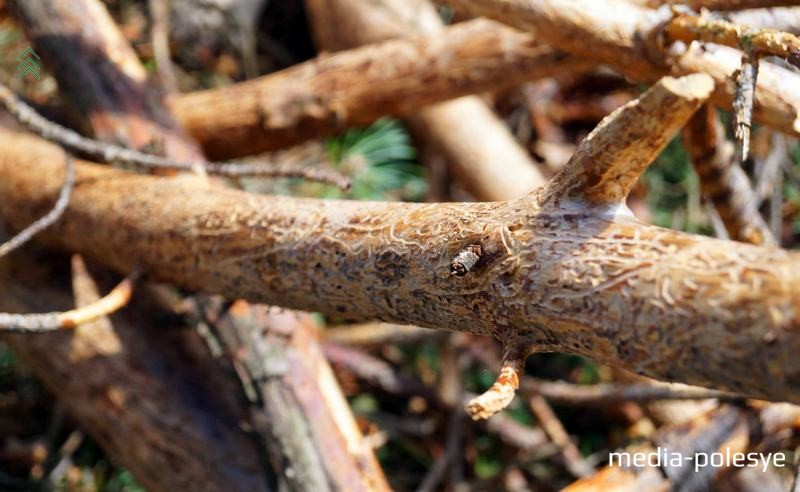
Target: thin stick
743, 98
549, 421
501, 393
70, 139
159, 34
113, 301
50, 218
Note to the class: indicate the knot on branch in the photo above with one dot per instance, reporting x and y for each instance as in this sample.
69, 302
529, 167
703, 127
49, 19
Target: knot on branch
466, 259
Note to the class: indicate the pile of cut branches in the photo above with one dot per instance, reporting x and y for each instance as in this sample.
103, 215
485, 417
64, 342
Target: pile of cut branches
432, 264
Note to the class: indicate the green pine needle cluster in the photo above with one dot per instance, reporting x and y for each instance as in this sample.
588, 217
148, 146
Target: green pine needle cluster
381, 162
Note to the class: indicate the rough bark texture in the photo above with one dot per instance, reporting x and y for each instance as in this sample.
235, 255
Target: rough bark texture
166, 429
553, 274
465, 132
722, 4
333, 92
629, 41
84, 50
147, 395
351, 464
298, 408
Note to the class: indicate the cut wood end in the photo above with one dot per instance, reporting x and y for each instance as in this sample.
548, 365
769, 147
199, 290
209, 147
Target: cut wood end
697, 86
502, 392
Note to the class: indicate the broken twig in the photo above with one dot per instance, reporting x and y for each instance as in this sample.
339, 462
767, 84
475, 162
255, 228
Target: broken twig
113, 301
72, 140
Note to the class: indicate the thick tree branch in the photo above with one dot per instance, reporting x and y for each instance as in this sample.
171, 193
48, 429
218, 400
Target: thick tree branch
553, 276
630, 42
465, 132
355, 87
296, 405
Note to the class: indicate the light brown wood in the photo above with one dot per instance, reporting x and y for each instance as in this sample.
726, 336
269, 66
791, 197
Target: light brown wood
558, 275
630, 42
326, 95
465, 132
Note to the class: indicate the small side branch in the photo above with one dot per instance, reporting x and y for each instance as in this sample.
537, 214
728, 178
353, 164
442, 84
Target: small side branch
69, 139
608, 162
762, 42
501, 393
113, 301
46, 221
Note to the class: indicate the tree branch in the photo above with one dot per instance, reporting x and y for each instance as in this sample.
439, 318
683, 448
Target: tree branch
111, 153
332, 92
609, 161
465, 133
110, 303
48, 219
630, 41
554, 276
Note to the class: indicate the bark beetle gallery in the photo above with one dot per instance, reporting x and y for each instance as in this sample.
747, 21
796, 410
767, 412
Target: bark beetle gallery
558, 265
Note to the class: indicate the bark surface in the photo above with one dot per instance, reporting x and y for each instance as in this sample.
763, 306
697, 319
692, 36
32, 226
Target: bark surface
333, 92
465, 132
558, 270
631, 40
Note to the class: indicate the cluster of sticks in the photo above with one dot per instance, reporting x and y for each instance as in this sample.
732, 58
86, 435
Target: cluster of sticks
198, 241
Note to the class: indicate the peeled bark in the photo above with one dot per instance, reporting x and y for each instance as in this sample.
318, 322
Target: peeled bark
629, 41
577, 274
297, 407
326, 95
465, 132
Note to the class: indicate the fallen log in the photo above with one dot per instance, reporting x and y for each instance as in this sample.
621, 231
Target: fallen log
566, 268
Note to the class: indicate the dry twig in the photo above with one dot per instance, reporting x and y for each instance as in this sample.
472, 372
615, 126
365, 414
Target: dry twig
72, 140
113, 301
50, 218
